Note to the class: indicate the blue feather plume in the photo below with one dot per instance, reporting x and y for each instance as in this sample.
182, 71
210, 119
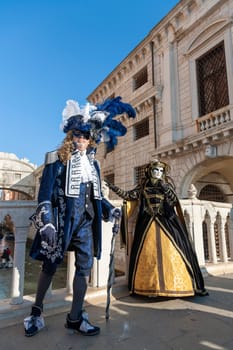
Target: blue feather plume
115, 106
111, 129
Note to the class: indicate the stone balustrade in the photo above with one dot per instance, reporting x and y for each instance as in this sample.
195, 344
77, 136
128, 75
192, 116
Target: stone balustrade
210, 225
215, 119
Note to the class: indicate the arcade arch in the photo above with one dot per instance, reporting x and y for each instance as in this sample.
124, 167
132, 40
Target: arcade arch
210, 174
213, 182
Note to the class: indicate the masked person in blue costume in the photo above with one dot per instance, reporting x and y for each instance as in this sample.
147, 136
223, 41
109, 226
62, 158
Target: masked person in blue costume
71, 206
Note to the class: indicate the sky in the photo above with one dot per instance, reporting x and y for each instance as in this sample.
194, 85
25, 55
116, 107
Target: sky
55, 50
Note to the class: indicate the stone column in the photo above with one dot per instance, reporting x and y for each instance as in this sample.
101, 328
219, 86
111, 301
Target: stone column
171, 107
100, 269
17, 287
70, 272
230, 226
212, 241
223, 239
197, 230
229, 62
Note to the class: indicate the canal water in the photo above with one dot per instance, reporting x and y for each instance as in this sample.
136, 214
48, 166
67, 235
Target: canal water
31, 273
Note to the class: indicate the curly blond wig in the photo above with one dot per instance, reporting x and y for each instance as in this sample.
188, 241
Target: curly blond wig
67, 147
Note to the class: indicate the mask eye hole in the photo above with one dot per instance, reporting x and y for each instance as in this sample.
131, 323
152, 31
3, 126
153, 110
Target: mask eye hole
78, 134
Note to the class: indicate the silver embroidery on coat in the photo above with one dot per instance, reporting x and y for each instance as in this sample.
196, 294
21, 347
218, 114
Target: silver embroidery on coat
74, 177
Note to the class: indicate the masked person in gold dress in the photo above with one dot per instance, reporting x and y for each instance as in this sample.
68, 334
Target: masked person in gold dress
163, 261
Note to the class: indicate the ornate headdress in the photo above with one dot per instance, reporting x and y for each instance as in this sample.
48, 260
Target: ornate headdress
98, 120
157, 163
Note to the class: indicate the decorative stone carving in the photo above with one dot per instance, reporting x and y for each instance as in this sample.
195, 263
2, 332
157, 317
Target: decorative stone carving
192, 192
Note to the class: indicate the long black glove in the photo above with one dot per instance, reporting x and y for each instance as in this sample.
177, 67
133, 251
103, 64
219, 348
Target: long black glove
169, 192
126, 195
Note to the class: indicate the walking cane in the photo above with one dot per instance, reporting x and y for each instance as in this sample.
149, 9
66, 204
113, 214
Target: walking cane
115, 230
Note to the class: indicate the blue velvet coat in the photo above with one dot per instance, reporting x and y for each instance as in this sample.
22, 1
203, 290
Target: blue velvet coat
52, 191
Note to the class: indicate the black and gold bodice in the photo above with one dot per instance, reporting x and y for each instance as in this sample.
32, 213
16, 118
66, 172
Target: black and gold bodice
156, 197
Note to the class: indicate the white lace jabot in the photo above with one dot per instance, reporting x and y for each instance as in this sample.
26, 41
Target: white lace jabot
81, 169
86, 170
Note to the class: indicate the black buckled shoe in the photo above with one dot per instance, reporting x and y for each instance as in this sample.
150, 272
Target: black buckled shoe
33, 323
82, 325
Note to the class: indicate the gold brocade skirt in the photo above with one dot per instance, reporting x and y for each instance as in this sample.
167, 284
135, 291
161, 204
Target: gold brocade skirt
160, 269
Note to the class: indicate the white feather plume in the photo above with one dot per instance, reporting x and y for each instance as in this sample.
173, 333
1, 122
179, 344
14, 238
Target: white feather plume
72, 108
86, 111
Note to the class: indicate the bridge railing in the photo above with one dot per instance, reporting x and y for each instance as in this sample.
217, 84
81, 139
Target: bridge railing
210, 225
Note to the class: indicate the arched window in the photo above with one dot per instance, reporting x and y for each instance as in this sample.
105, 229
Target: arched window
212, 193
